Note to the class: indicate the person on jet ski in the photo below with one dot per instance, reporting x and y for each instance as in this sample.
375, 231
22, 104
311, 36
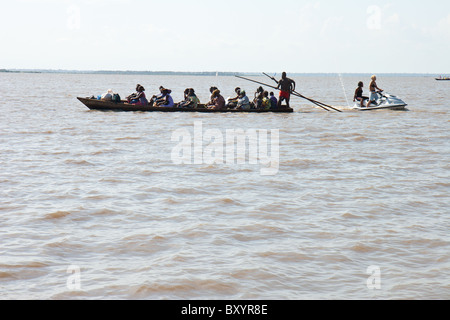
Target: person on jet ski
373, 91
359, 94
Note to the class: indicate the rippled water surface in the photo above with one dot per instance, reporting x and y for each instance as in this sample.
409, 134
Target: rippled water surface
99, 190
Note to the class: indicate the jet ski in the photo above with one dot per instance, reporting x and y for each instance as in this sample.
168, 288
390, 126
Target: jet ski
384, 101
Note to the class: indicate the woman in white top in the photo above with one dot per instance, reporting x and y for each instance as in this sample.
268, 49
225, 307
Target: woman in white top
373, 91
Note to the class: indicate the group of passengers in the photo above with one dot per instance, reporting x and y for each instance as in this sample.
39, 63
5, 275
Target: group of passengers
262, 99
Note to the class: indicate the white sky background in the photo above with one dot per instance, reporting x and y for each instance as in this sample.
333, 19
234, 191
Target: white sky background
392, 36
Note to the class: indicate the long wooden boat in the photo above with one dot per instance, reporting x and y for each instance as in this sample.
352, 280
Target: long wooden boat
123, 106
443, 79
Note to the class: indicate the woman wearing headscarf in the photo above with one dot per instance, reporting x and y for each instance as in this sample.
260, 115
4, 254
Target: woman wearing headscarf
138, 98
232, 102
218, 101
165, 99
243, 101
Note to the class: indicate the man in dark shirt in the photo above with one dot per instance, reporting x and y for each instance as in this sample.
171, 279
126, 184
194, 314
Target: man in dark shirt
286, 87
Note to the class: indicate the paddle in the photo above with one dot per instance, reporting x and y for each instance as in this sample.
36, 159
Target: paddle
318, 103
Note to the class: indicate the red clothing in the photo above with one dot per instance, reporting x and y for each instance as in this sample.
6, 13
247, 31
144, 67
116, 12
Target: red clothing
285, 94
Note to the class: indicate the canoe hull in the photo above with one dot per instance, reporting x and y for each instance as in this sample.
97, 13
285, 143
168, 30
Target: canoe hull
100, 105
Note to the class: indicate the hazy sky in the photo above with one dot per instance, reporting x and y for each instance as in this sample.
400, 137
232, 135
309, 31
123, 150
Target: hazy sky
230, 35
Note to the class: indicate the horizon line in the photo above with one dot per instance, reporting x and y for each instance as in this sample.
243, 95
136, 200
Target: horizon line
163, 72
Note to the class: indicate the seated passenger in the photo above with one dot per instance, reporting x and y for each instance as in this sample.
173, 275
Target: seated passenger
157, 97
192, 101
186, 99
186, 93
195, 101
232, 102
211, 90
138, 98
266, 103
218, 101
273, 101
243, 102
359, 94
259, 95
164, 99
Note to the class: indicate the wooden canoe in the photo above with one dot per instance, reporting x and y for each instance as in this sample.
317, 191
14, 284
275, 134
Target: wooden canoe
123, 106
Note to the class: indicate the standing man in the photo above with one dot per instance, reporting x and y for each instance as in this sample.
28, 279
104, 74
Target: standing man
286, 87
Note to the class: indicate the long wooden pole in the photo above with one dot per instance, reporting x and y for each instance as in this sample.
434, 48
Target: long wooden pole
267, 85
301, 96
318, 103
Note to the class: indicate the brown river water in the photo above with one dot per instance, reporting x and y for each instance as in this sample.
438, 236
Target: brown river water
93, 205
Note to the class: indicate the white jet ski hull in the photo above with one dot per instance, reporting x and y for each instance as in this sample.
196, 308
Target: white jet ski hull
390, 107
385, 101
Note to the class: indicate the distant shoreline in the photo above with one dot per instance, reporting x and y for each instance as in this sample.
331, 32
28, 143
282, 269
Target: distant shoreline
120, 72
205, 73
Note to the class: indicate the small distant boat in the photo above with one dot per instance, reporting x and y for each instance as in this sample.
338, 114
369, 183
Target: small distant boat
443, 79
124, 106
384, 101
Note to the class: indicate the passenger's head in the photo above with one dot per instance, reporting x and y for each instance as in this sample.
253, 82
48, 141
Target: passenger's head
242, 93
284, 75
374, 78
212, 89
260, 90
216, 93
360, 84
137, 87
266, 94
272, 94
191, 92
237, 90
140, 89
